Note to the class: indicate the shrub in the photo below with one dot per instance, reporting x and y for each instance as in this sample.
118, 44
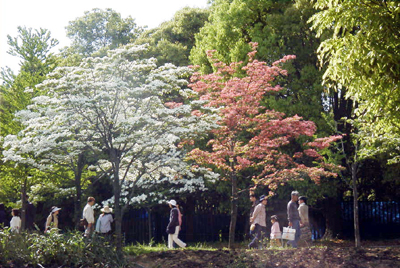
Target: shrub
55, 250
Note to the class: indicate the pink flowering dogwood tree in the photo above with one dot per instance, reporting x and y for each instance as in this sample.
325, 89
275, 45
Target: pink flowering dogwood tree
252, 137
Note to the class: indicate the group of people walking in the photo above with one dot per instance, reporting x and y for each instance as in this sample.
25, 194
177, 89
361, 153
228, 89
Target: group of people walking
103, 224
297, 218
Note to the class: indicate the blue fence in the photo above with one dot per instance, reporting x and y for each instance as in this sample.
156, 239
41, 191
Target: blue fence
377, 220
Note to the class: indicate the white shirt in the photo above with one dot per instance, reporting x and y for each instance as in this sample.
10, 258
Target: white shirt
104, 223
88, 213
15, 224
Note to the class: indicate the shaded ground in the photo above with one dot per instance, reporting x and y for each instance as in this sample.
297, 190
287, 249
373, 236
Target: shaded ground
327, 255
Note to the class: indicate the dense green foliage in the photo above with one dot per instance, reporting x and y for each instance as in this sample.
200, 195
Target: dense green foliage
173, 40
56, 250
33, 48
362, 55
280, 28
108, 30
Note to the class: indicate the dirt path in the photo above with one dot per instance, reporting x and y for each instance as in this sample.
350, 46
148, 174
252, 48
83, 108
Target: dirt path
329, 257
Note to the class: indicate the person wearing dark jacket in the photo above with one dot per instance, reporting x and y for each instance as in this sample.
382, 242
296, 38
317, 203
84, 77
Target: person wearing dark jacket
173, 226
30, 212
3, 216
294, 218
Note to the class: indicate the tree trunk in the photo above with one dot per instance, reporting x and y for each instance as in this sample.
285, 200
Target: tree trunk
77, 205
150, 231
78, 186
234, 212
332, 213
354, 167
23, 208
118, 215
117, 206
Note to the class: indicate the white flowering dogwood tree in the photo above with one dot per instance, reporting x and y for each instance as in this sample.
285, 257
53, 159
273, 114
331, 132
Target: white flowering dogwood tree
127, 111
50, 146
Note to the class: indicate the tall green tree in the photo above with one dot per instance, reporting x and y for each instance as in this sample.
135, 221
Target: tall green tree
280, 28
33, 47
362, 55
101, 30
172, 40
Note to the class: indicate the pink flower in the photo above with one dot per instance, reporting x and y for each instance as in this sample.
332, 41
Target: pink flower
173, 105
196, 113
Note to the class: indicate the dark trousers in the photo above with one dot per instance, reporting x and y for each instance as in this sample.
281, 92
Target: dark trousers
259, 235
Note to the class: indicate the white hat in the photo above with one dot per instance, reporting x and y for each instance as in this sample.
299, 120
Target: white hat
106, 209
172, 202
54, 209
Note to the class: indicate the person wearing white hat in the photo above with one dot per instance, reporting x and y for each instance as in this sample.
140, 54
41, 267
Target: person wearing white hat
52, 219
173, 226
103, 225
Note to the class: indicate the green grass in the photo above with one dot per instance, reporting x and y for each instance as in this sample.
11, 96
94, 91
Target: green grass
139, 249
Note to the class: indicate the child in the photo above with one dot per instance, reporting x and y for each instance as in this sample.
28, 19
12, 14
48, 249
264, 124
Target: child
276, 234
15, 223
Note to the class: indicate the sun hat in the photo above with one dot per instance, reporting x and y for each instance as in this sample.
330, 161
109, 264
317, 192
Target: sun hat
54, 209
262, 198
172, 202
106, 209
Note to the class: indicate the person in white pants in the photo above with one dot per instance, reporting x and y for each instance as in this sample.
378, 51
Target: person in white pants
174, 226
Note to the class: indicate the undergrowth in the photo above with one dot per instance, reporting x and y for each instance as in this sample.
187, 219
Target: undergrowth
56, 250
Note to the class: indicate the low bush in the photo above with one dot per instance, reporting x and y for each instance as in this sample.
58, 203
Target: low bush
56, 250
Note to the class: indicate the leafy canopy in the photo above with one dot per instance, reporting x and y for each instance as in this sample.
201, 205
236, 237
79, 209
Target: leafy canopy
100, 30
362, 55
280, 28
33, 47
172, 40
